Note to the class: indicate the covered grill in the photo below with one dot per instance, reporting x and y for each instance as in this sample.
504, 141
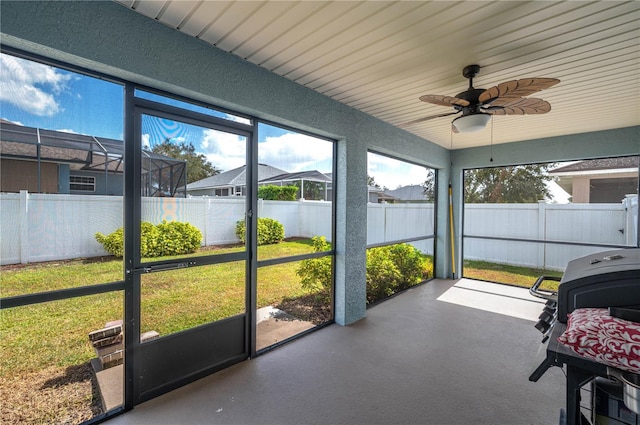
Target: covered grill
599, 288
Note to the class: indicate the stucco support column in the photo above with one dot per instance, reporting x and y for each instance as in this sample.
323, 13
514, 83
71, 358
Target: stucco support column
443, 239
351, 233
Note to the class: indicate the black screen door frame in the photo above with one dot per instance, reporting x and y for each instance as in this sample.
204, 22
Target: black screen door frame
155, 367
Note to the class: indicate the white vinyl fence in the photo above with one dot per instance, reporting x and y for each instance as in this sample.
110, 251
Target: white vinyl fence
605, 224
394, 222
43, 227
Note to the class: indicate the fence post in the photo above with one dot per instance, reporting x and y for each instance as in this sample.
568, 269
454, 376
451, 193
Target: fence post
630, 203
24, 227
206, 205
542, 226
384, 227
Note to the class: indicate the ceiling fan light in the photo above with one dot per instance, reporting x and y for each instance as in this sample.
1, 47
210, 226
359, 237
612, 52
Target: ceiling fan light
471, 123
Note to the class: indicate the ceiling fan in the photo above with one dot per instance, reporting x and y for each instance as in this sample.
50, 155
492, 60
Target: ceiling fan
477, 105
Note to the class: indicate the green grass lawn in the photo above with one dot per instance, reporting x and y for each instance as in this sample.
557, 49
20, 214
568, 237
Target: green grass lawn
55, 333
45, 375
512, 275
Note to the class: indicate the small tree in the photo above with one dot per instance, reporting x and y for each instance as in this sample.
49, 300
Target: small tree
198, 167
513, 184
429, 187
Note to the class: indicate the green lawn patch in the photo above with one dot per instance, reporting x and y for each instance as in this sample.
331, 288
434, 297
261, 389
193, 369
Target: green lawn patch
55, 333
508, 274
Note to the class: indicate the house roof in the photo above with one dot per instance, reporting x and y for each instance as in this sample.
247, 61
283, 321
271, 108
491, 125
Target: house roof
408, 193
80, 151
312, 175
600, 164
235, 177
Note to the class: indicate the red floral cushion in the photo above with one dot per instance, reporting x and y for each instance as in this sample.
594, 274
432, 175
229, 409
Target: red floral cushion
593, 334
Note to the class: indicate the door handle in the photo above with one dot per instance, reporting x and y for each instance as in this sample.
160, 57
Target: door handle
163, 267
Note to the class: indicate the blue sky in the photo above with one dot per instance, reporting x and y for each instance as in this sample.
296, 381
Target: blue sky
42, 96
37, 95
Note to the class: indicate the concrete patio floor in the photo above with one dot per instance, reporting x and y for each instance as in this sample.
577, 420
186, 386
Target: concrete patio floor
412, 360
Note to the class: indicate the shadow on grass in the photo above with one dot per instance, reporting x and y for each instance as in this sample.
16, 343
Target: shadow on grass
78, 374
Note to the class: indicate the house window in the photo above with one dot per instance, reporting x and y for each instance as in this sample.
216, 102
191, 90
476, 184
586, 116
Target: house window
82, 183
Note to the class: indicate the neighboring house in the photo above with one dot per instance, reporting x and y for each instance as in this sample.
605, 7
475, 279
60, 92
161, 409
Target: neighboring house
230, 183
378, 196
404, 194
408, 194
599, 180
312, 185
47, 161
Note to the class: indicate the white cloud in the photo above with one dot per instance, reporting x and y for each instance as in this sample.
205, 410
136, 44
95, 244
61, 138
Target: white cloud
145, 141
291, 152
67, 130
393, 173
224, 150
31, 86
296, 152
13, 122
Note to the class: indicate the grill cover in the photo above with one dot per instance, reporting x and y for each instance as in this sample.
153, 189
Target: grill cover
603, 279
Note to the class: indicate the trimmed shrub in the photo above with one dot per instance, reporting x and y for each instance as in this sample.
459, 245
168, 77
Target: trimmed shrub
113, 243
383, 276
149, 235
270, 231
315, 273
272, 192
177, 237
390, 269
164, 239
412, 265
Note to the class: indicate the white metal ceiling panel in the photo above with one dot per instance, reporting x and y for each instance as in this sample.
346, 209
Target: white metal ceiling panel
248, 36
379, 57
150, 8
175, 13
206, 15
234, 16
314, 30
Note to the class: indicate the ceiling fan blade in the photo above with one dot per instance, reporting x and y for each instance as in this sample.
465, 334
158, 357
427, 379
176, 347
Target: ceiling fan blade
516, 88
437, 99
429, 118
518, 106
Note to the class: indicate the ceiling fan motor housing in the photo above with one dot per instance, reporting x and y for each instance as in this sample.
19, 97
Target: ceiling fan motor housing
471, 95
